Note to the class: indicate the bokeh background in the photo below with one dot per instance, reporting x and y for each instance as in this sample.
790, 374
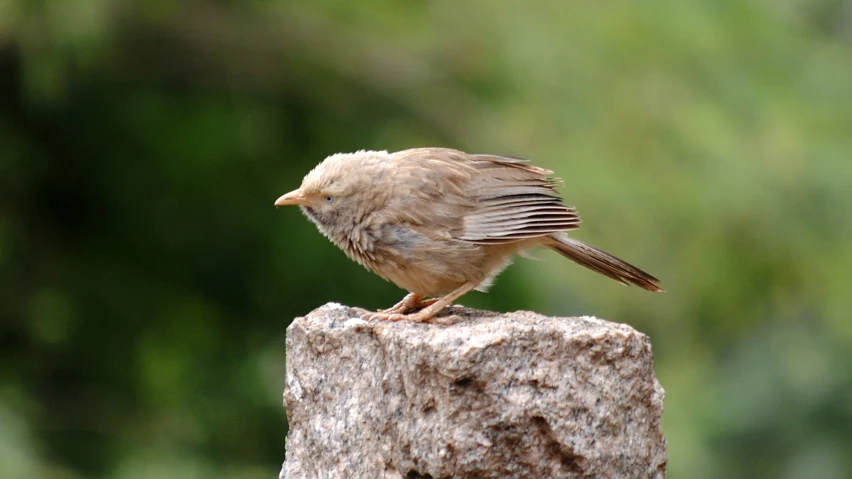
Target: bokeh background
146, 281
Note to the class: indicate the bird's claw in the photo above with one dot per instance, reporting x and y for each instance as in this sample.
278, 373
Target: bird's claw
419, 317
383, 316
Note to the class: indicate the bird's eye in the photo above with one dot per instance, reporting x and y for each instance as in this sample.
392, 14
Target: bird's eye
329, 199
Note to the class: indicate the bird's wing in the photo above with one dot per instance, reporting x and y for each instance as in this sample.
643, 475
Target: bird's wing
515, 201
430, 191
483, 199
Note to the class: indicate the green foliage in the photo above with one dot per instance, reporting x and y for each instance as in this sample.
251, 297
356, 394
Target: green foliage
146, 281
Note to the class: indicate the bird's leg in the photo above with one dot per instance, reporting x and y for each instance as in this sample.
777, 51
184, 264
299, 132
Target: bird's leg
427, 313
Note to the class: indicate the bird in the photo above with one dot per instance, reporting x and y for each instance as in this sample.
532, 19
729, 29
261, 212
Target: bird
439, 222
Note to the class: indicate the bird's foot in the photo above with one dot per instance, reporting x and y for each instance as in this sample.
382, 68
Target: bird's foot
422, 316
425, 315
409, 302
383, 316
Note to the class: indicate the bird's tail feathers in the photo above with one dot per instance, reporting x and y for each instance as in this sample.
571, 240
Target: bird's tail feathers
603, 263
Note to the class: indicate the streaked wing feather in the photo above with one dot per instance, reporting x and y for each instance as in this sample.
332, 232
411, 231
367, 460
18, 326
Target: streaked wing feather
533, 210
483, 199
511, 224
515, 201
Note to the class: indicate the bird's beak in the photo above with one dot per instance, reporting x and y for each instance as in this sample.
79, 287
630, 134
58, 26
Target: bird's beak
292, 198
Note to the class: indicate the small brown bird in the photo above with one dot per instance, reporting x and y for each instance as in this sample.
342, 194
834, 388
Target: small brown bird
441, 222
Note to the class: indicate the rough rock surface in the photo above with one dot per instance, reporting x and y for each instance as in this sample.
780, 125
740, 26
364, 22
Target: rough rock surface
515, 395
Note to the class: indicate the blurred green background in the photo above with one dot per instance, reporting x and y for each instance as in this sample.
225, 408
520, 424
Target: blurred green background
146, 281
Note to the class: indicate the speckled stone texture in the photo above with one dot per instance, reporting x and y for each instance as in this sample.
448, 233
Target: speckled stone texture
515, 395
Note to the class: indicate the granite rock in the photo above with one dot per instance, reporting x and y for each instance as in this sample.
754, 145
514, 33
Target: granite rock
513, 395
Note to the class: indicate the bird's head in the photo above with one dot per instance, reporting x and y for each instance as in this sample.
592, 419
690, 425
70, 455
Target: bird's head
339, 190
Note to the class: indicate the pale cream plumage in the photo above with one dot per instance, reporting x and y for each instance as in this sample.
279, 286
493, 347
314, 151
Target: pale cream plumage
440, 222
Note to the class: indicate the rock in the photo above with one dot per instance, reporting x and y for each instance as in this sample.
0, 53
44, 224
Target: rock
515, 395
